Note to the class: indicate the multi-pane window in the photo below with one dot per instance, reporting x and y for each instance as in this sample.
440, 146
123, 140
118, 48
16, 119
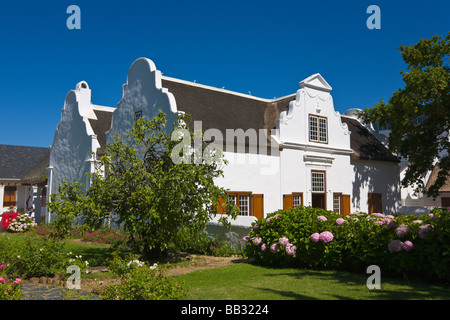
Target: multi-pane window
242, 201
244, 205
318, 181
296, 200
318, 129
337, 203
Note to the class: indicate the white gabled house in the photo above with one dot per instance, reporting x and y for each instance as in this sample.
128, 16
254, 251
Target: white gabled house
79, 134
294, 150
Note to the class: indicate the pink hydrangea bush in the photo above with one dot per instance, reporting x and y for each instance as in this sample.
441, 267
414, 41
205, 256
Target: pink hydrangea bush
314, 238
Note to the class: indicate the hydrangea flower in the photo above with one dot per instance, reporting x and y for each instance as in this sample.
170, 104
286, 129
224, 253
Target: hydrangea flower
246, 238
290, 249
274, 247
401, 230
378, 215
407, 245
326, 237
395, 246
378, 223
315, 237
385, 220
391, 224
321, 218
283, 241
257, 241
263, 247
340, 221
423, 231
417, 221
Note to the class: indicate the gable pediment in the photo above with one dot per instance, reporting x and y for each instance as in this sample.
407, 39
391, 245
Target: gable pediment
316, 81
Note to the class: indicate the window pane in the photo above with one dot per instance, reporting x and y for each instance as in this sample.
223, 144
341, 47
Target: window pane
318, 183
336, 203
243, 205
322, 130
296, 200
313, 128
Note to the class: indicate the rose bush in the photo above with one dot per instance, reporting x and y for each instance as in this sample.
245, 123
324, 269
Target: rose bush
9, 289
315, 238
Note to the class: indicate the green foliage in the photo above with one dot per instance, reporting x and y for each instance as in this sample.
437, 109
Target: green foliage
139, 186
426, 95
32, 257
359, 240
140, 281
201, 243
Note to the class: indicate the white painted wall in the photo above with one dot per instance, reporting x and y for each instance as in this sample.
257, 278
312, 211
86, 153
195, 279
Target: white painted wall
74, 141
142, 92
376, 177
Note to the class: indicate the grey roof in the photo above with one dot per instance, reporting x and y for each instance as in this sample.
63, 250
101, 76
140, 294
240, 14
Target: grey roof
365, 145
19, 162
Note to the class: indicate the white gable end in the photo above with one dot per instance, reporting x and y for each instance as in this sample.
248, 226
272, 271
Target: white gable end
312, 122
142, 95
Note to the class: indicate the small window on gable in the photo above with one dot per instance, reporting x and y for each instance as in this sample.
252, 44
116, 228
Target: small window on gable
137, 115
318, 129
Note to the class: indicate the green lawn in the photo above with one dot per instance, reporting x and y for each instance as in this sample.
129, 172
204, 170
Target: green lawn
249, 282
244, 281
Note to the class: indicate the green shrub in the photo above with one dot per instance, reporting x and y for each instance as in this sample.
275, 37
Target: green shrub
315, 238
32, 257
140, 281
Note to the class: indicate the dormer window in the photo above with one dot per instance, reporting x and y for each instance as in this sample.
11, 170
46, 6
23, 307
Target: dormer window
318, 129
137, 115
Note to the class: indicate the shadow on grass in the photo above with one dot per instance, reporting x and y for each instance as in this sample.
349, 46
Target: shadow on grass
340, 282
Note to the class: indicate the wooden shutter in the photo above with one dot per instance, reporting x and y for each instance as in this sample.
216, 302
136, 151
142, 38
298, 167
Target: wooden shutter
220, 206
288, 201
345, 204
258, 206
445, 202
375, 203
9, 198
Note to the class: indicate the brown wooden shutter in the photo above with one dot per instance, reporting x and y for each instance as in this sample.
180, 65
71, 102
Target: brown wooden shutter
375, 203
288, 201
220, 206
258, 206
345, 204
9, 198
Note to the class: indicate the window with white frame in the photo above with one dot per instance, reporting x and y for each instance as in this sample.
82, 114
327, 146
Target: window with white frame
244, 205
296, 200
242, 201
318, 129
317, 181
337, 203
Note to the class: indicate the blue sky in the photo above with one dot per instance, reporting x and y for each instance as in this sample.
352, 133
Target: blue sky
265, 47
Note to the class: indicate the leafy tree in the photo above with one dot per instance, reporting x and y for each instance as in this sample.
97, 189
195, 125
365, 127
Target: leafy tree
425, 96
142, 185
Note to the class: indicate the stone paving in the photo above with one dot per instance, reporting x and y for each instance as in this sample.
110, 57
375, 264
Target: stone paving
34, 291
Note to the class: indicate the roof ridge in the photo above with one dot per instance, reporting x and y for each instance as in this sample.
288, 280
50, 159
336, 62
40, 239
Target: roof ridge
208, 87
